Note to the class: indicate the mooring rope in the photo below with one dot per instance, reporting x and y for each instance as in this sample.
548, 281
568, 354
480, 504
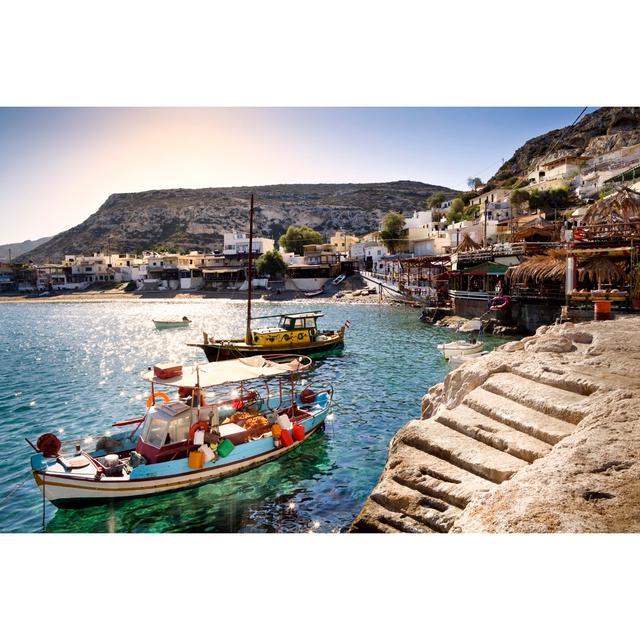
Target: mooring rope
10, 493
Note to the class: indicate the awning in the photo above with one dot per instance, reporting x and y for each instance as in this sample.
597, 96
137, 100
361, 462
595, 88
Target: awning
214, 374
224, 270
486, 269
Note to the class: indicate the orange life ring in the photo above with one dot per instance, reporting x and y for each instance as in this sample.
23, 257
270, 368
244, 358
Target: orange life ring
151, 400
202, 424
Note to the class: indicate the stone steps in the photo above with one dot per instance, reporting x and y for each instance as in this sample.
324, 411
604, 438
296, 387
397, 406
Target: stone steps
559, 403
491, 432
530, 421
462, 451
438, 465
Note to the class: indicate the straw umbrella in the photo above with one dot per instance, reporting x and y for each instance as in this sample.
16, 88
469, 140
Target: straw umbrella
621, 208
601, 268
550, 266
468, 244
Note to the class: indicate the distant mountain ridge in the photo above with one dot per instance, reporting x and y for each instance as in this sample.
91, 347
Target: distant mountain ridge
606, 129
190, 219
15, 249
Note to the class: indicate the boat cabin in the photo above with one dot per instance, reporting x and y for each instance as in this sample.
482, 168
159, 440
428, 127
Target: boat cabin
293, 328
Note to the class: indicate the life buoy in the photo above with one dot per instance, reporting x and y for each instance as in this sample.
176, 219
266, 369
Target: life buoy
301, 336
499, 303
202, 424
151, 400
48, 445
578, 234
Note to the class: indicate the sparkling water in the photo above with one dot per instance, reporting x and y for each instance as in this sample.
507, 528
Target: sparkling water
74, 369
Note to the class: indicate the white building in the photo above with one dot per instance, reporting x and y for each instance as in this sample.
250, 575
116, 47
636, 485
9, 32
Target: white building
237, 244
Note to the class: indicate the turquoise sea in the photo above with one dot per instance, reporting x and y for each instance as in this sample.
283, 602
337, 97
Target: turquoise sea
76, 367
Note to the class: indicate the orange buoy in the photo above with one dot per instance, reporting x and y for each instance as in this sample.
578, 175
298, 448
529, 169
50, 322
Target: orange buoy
285, 438
602, 310
298, 432
151, 400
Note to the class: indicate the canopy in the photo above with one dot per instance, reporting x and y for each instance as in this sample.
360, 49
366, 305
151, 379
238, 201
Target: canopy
214, 374
486, 268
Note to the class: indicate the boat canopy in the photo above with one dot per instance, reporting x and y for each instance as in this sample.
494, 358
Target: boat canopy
214, 374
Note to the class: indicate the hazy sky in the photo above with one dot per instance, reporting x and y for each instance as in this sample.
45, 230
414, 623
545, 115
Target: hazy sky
57, 166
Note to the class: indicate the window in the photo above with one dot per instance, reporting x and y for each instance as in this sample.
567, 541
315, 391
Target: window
155, 430
310, 323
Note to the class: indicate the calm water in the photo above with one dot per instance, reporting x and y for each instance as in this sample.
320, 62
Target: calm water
76, 367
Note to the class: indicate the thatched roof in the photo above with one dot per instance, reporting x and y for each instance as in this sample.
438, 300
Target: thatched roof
551, 266
601, 269
622, 207
468, 244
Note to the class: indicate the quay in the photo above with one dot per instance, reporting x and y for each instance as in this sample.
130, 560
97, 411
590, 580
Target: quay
541, 435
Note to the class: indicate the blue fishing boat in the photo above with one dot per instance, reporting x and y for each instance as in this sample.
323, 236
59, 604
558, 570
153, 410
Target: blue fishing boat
226, 417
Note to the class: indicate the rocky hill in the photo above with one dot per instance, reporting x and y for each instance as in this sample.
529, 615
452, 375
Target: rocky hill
19, 248
189, 219
606, 129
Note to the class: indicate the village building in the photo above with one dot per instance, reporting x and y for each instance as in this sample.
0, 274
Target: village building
342, 241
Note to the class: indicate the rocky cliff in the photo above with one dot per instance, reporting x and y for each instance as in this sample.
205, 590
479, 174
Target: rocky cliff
20, 248
604, 130
187, 219
542, 435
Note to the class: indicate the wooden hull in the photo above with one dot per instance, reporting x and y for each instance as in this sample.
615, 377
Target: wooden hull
229, 350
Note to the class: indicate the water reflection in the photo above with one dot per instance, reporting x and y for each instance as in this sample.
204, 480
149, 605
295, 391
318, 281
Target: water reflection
274, 497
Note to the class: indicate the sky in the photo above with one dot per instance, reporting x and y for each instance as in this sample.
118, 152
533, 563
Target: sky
58, 165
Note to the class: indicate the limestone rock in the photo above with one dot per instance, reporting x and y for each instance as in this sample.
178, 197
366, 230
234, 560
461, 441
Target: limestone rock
538, 438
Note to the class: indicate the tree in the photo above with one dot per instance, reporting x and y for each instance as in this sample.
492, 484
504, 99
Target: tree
455, 210
393, 231
518, 198
271, 264
436, 199
296, 237
474, 183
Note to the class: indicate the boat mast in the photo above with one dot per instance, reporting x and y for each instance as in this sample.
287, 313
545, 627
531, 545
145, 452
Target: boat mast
249, 337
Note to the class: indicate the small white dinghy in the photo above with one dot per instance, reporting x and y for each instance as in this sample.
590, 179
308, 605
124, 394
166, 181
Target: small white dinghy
172, 324
339, 279
460, 348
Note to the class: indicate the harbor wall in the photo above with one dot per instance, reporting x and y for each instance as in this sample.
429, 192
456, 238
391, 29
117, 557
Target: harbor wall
541, 435
526, 315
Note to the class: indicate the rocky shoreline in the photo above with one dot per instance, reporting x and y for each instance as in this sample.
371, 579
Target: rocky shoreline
541, 435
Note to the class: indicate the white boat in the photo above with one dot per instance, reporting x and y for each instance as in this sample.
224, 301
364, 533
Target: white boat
172, 324
310, 294
460, 348
189, 440
339, 280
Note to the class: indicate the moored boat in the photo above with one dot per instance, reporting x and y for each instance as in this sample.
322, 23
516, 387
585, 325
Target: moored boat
186, 442
461, 348
172, 324
295, 333
339, 280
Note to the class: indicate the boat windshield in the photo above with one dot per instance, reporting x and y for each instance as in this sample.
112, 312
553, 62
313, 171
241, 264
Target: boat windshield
297, 323
161, 429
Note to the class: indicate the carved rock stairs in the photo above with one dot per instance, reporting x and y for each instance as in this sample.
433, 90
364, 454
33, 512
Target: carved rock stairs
436, 466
